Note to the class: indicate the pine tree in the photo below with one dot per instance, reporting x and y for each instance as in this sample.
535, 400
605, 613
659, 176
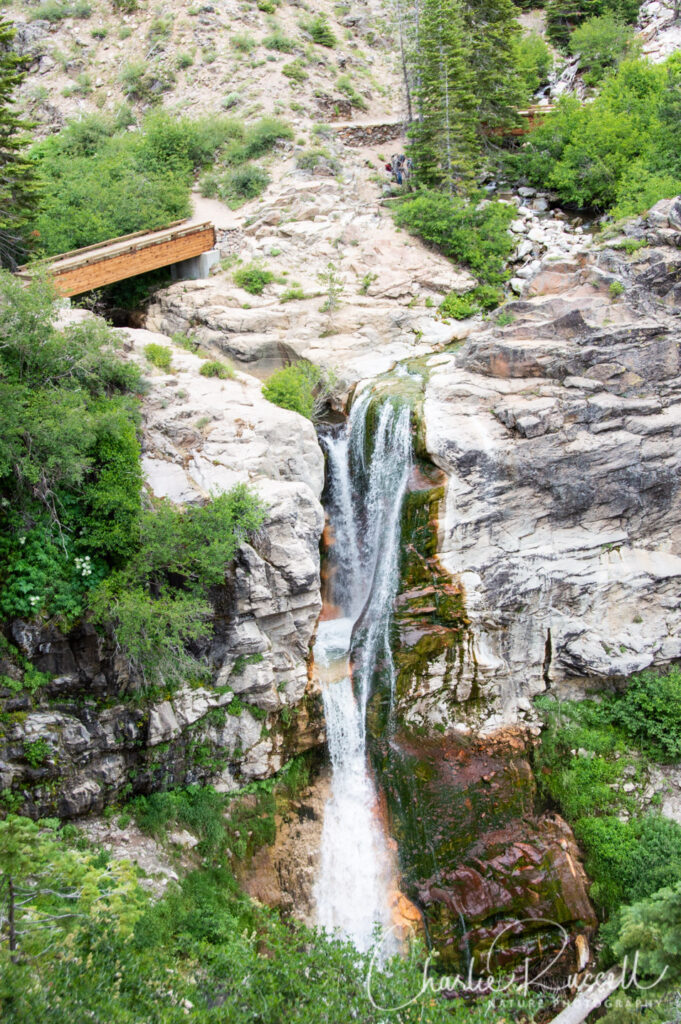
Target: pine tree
492, 29
651, 932
18, 187
562, 16
443, 138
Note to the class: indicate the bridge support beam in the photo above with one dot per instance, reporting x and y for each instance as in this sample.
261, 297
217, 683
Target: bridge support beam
196, 267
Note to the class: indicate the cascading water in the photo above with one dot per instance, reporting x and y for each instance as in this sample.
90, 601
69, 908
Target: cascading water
352, 890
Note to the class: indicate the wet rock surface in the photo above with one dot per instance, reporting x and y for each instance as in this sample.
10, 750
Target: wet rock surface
495, 881
283, 875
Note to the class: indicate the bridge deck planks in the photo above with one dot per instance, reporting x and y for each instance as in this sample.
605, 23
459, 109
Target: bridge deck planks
120, 258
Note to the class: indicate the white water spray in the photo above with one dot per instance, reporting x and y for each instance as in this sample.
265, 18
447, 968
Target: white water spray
352, 890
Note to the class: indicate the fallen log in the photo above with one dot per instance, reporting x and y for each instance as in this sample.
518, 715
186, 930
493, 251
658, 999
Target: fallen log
590, 999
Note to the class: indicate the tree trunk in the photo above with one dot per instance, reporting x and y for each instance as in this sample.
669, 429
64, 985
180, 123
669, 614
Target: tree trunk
11, 921
592, 997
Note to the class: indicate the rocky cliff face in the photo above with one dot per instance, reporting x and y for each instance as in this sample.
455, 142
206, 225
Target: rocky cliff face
102, 739
558, 434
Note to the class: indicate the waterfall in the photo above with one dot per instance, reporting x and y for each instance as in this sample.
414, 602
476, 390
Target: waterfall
365, 500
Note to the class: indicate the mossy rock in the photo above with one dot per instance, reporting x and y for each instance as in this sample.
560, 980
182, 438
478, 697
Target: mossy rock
474, 858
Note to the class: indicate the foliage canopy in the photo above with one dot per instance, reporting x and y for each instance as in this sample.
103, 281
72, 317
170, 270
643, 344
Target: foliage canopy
77, 532
622, 152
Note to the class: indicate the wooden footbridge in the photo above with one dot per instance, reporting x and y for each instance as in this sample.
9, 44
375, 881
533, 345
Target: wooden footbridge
119, 258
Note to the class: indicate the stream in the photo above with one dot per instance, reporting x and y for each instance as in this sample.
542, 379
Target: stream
366, 491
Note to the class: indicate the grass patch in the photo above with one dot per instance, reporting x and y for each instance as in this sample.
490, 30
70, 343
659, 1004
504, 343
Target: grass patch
345, 86
242, 42
312, 158
294, 293
160, 356
280, 42
57, 10
253, 278
295, 70
215, 368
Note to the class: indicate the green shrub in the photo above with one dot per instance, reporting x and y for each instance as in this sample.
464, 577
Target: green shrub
242, 42
458, 307
30, 682
649, 935
69, 456
36, 752
99, 33
159, 355
345, 86
334, 287
183, 61
602, 44
534, 61
185, 144
239, 185
465, 230
253, 278
649, 711
258, 140
320, 30
112, 497
294, 388
100, 182
214, 368
278, 41
295, 71
153, 617
368, 280
629, 860
479, 299
620, 152
126, 7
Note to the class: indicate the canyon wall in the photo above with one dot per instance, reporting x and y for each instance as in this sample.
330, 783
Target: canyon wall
102, 738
